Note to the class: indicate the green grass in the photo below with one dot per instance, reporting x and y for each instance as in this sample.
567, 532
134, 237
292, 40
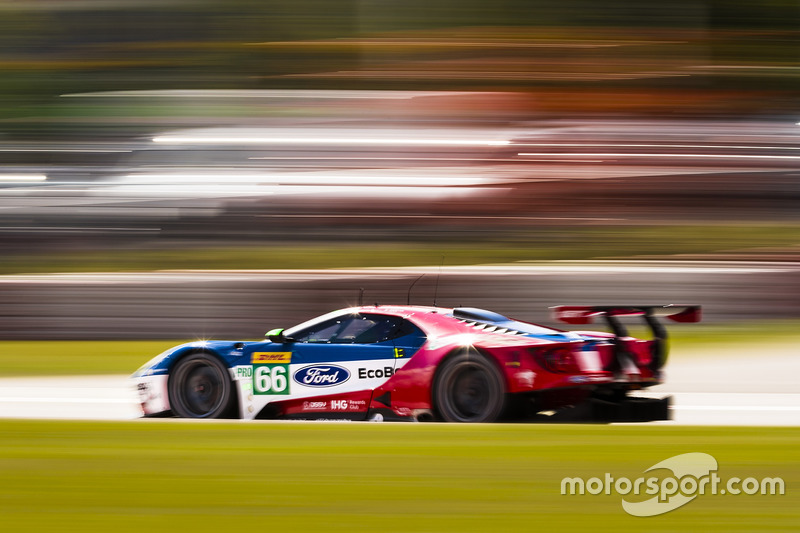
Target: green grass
541, 244
172, 476
732, 339
62, 358
342, 255
65, 358
742, 336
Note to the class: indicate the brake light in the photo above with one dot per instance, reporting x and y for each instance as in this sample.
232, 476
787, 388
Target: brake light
559, 360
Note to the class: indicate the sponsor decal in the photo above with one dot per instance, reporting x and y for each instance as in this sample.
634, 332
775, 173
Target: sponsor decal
271, 357
321, 375
144, 391
398, 352
348, 405
370, 373
574, 314
271, 379
315, 406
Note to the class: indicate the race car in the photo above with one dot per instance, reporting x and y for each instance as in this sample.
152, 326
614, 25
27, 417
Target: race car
416, 363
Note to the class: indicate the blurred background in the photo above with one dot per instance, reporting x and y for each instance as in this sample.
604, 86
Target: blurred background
601, 151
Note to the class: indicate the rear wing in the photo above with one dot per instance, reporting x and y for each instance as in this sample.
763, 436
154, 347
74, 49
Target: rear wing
585, 314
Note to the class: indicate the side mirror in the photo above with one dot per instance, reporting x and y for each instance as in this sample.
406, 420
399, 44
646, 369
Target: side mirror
276, 335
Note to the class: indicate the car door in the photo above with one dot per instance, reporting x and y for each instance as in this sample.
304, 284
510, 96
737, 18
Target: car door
407, 339
346, 353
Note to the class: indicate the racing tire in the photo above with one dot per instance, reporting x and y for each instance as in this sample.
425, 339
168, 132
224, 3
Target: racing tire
200, 387
469, 388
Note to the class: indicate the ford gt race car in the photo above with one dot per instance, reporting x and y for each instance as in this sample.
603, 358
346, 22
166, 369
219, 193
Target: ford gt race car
420, 363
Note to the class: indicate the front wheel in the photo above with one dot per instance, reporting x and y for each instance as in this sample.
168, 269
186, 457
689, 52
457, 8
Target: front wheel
469, 388
199, 387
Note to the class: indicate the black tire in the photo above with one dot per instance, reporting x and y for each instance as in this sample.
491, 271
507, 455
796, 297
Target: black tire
469, 388
200, 387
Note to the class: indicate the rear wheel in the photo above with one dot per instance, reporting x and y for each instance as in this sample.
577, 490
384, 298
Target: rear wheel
469, 388
200, 387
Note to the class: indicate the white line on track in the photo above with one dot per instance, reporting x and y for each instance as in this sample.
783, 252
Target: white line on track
69, 397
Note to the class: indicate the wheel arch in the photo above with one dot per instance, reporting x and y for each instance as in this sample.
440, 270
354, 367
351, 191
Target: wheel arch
182, 354
455, 352
466, 350
191, 350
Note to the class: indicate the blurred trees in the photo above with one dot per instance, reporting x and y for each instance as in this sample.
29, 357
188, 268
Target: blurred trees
48, 48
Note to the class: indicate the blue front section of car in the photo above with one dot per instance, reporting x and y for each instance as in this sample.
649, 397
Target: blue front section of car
230, 352
234, 353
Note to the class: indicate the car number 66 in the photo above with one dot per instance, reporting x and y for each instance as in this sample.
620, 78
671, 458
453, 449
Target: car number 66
270, 379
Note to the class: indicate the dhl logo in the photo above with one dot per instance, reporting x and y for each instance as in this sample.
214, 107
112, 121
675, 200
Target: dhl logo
271, 357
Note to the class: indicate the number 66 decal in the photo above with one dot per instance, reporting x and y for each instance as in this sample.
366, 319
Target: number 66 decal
271, 379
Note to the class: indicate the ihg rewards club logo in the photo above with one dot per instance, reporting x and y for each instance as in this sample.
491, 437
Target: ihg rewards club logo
693, 475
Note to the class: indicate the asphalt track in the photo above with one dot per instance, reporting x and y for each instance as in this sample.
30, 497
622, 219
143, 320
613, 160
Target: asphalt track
705, 392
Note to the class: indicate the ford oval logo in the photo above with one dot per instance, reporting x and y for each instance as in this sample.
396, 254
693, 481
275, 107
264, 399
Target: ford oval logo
321, 375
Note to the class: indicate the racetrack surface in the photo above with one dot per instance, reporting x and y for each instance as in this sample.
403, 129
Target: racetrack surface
739, 390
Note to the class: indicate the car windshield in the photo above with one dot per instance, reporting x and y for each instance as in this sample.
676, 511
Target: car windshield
291, 332
350, 328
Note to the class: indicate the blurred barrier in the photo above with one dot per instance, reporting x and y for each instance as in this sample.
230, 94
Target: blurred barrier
204, 305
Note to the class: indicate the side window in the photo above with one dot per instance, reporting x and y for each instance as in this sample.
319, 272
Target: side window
348, 329
407, 328
359, 330
386, 328
319, 333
